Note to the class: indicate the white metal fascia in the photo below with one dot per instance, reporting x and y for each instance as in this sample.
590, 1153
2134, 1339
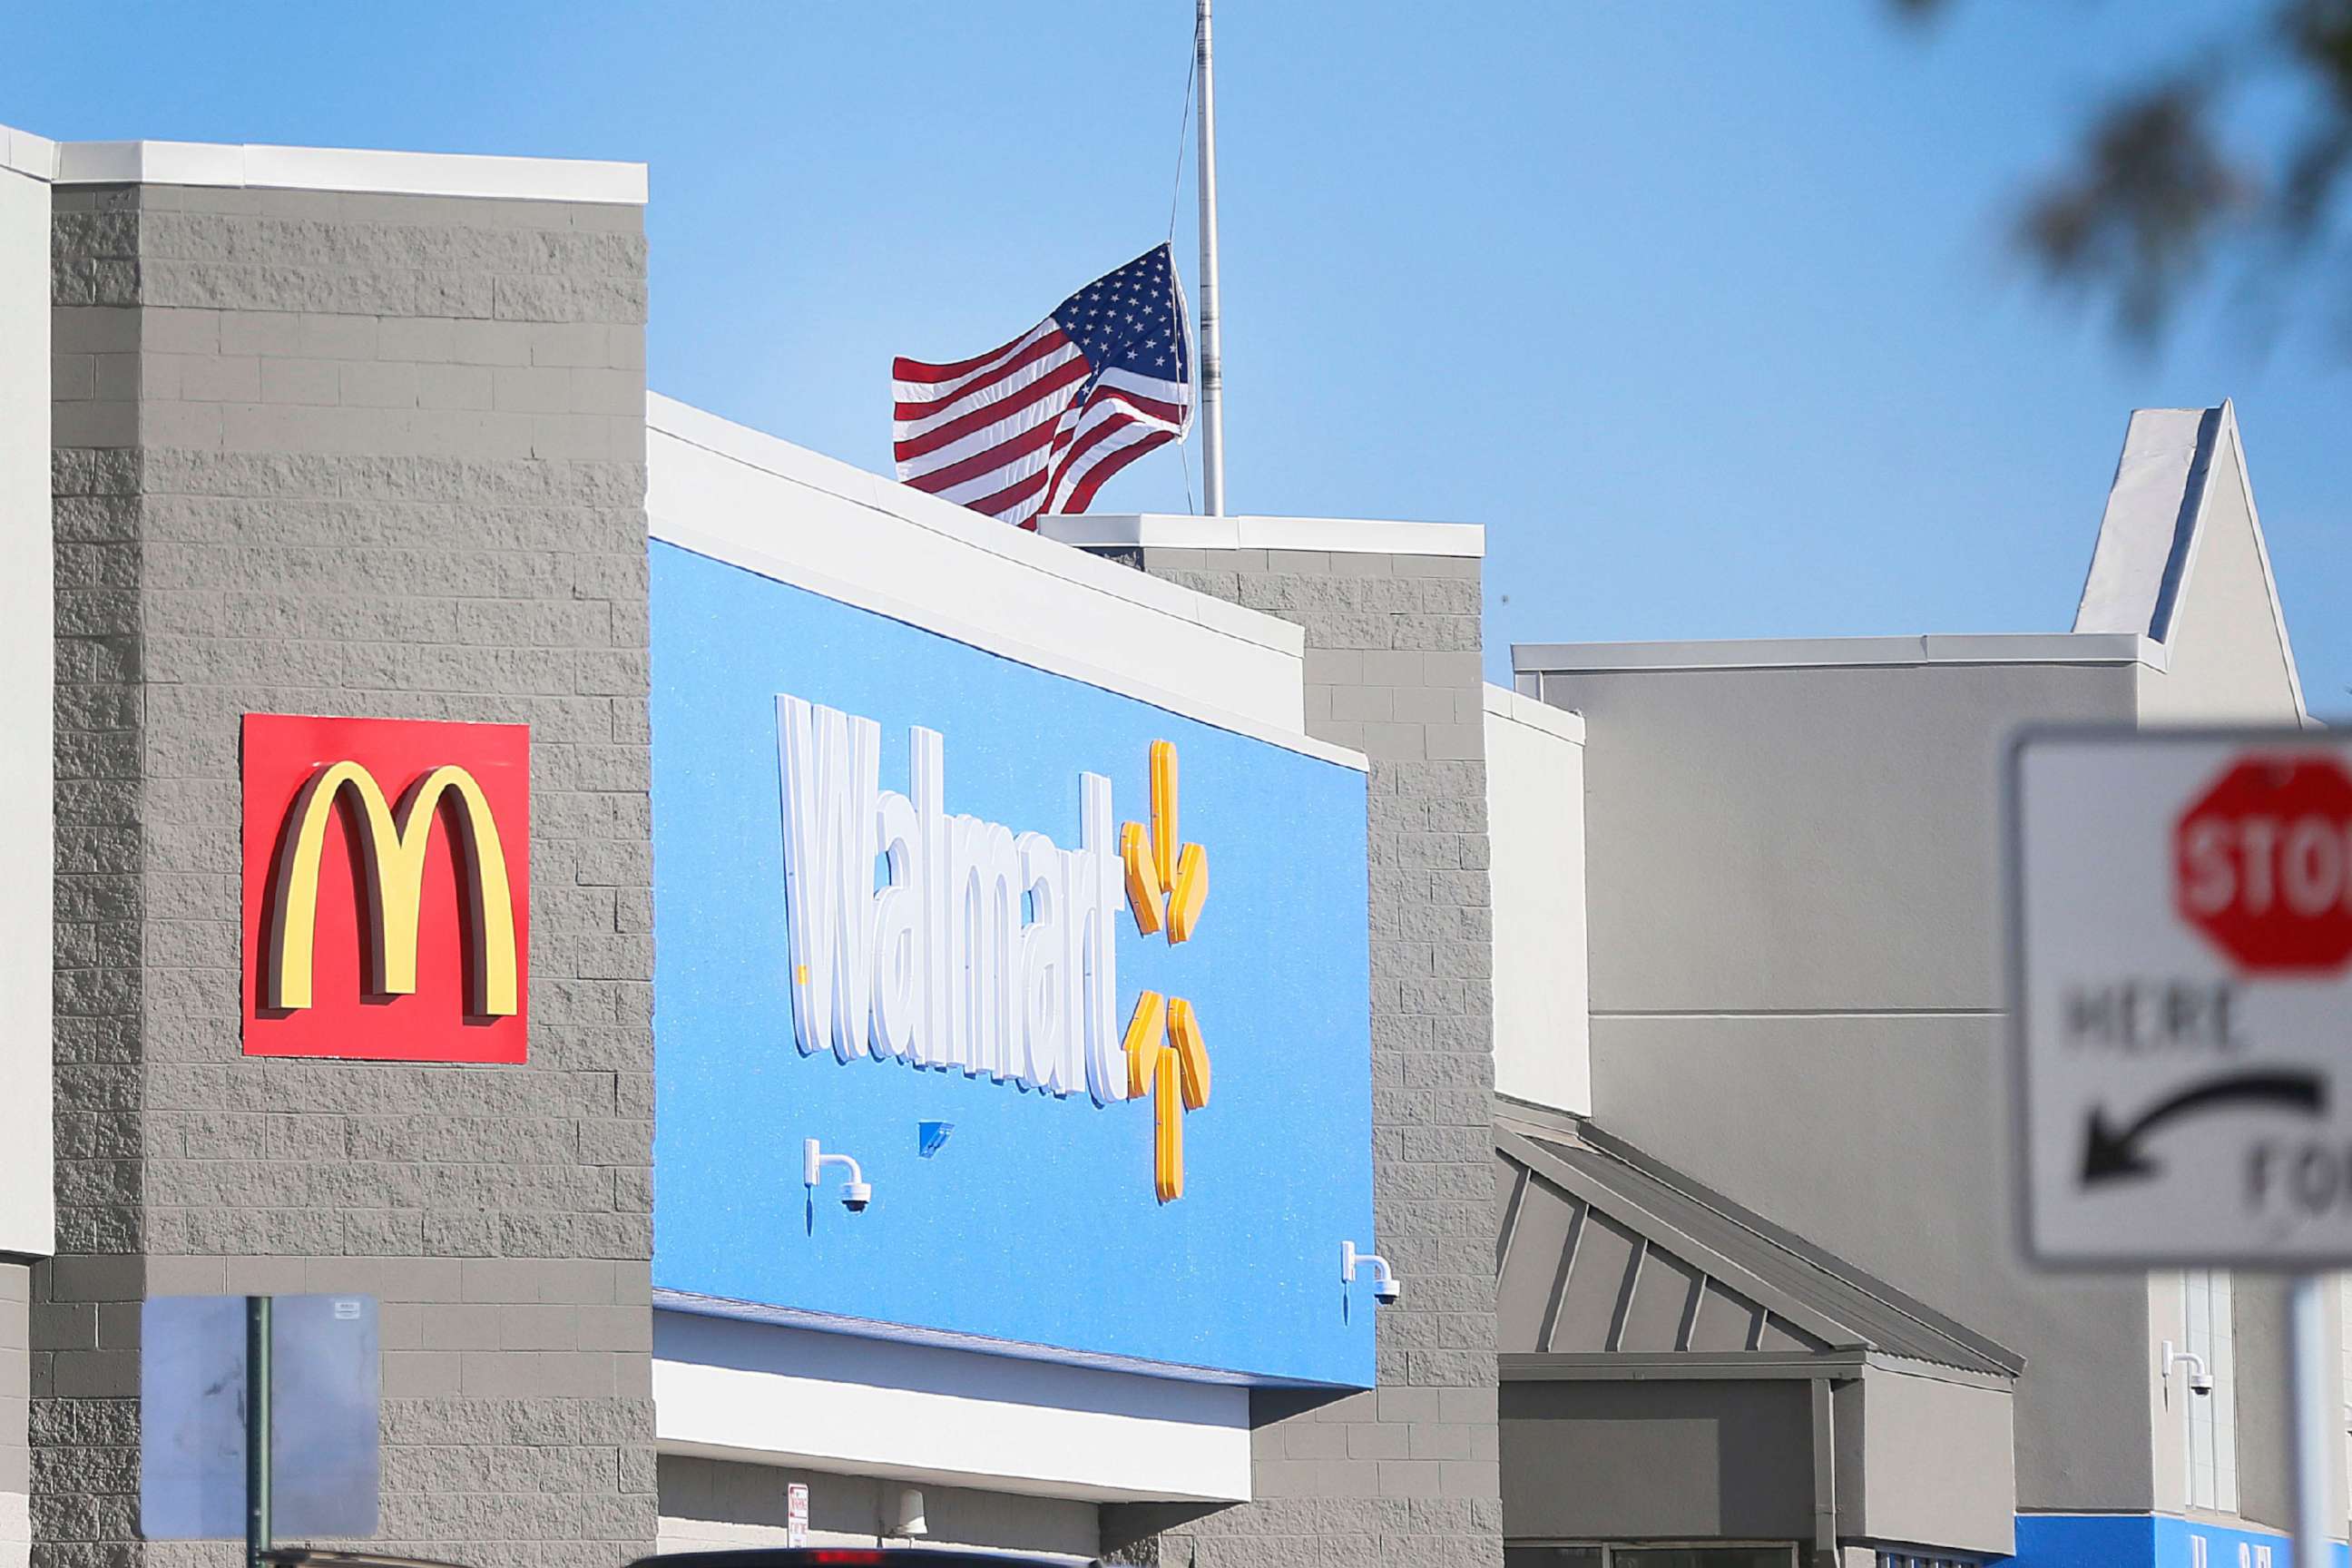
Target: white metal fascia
358, 170
870, 584
772, 454
1348, 536
2147, 535
1831, 652
1564, 723
33, 156
2262, 554
767, 1395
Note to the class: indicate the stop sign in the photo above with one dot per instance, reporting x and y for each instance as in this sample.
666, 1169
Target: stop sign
2262, 863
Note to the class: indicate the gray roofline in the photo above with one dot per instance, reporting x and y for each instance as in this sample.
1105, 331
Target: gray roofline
1819, 1258
1728, 1366
2117, 649
1521, 1124
1730, 1270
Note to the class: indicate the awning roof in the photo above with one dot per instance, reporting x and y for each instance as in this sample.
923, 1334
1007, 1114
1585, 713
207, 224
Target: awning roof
1601, 1249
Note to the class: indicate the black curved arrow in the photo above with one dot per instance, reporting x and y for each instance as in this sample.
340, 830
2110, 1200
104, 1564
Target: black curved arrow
2110, 1152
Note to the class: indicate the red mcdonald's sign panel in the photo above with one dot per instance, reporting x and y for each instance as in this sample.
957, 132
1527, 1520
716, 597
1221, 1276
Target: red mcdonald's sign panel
387, 889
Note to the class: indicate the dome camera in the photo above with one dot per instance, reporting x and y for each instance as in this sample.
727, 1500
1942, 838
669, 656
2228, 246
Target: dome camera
855, 1192
1387, 1288
2196, 1371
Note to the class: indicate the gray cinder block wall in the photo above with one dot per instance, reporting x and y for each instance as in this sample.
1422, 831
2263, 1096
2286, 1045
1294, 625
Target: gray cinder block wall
373, 455
1407, 1473
15, 1457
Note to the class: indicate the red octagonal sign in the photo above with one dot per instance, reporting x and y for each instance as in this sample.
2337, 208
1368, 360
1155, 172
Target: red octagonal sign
2262, 864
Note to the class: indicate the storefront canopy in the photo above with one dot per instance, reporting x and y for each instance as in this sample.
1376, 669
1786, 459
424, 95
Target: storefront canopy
1677, 1368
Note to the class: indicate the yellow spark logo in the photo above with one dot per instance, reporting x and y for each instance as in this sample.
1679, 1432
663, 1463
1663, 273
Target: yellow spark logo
1166, 1055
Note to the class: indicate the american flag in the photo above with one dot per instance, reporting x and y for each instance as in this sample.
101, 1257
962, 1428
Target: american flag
1039, 424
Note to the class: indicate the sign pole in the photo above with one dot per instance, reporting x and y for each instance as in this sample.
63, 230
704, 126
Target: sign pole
256, 1429
2307, 1382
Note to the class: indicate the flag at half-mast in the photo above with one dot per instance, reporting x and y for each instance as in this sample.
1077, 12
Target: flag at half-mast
1039, 424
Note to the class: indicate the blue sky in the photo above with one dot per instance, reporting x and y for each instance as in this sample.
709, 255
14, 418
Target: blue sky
1703, 309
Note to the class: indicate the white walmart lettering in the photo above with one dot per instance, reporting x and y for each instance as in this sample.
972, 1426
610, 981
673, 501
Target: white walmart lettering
982, 949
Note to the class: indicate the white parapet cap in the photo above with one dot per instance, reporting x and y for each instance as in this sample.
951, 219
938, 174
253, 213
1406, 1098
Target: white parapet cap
27, 153
713, 487
352, 169
1820, 653
1352, 536
1563, 723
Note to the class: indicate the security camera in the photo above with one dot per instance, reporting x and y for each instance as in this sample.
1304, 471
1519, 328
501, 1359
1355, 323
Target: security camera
2197, 1374
856, 1192
1387, 1288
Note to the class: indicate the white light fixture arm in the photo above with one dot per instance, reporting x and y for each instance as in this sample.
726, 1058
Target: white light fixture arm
1386, 1286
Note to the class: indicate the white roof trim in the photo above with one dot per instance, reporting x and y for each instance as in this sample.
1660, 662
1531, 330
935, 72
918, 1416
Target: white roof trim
2142, 527
758, 449
1812, 653
1565, 723
796, 465
347, 168
1169, 530
2153, 528
27, 153
2262, 553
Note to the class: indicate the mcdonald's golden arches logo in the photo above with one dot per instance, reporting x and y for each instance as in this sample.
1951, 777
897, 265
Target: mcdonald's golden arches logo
387, 868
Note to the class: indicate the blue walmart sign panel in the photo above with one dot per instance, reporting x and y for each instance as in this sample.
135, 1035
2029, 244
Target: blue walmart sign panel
1032, 1220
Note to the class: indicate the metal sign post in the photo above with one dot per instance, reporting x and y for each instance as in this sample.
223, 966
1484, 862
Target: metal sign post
2309, 1398
2180, 978
256, 1429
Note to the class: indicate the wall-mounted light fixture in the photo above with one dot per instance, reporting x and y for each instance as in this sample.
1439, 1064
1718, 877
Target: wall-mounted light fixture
856, 1194
1387, 1288
2200, 1376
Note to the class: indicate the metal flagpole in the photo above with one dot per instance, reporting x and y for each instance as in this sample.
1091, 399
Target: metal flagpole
1212, 362
2310, 1379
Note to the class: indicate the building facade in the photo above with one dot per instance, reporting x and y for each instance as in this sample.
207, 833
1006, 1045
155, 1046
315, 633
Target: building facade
810, 1016
1794, 899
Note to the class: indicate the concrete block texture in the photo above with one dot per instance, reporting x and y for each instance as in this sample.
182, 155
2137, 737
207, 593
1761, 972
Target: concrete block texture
285, 480
1408, 1473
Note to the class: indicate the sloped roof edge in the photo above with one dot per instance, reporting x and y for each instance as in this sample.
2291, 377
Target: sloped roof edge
2153, 524
1825, 1297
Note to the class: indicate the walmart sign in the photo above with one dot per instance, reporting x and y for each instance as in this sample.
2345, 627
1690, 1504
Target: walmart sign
901, 884
981, 949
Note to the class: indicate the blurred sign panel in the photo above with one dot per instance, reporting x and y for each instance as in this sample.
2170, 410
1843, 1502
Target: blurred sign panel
2181, 997
325, 1394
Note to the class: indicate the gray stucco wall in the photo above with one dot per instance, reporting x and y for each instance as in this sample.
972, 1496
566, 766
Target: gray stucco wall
1671, 1460
1938, 1464
1392, 669
1794, 895
16, 1385
383, 455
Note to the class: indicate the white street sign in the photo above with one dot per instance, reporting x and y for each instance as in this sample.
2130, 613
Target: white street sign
2180, 996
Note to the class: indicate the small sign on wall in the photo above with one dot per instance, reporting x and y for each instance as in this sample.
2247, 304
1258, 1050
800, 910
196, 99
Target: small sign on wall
325, 1424
796, 1514
387, 889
